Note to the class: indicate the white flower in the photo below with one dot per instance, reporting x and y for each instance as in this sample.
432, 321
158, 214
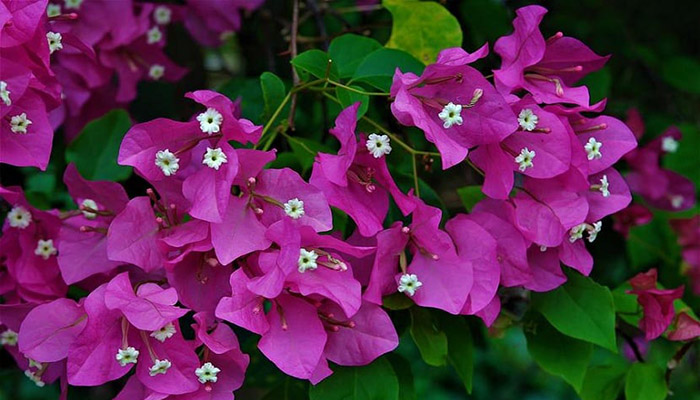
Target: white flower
73, 4
45, 249
409, 283
604, 184
154, 35
576, 232
127, 356
34, 364
89, 203
207, 373
167, 162
5, 94
378, 145
593, 230
53, 10
159, 367
593, 148
677, 201
307, 260
164, 333
543, 248
19, 123
213, 158
54, 40
669, 144
36, 379
524, 160
19, 217
8, 338
156, 71
162, 15
294, 208
210, 121
451, 115
527, 119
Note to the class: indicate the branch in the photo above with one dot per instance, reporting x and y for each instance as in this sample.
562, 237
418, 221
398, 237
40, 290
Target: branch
293, 50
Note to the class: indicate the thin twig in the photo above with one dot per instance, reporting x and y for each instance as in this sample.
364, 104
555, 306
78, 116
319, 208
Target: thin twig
293, 50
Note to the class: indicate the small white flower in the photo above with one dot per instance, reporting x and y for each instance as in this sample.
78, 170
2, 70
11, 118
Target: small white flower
677, 201
213, 158
527, 119
307, 260
409, 283
167, 162
576, 232
378, 145
20, 123
524, 159
19, 217
54, 40
34, 364
89, 203
8, 338
156, 71
36, 379
164, 333
604, 185
75, 4
207, 373
5, 94
593, 148
162, 15
294, 208
593, 230
543, 248
53, 10
210, 121
159, 367
154, 35
669, 144
127, 356
45, 249
451, 115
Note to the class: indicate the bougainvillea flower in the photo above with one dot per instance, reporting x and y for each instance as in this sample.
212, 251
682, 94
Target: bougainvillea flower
28, 246
82, 250
634, 215
657, 304
663, 189
543, 138
608, 194
686, 328
19, 21
454, 106
244, 308
199, 284
48, 331
210, 21
545, 68
354, 180
25, 132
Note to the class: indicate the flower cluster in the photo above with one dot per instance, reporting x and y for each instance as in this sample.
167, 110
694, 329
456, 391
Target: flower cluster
224, 239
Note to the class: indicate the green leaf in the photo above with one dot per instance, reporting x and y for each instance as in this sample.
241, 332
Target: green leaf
460, 347
376, 381
431, 342
683, 73
626, 305
645, 382
273, 92
348, 51
397, 301
306, 150
348, 98
402, 369
581, 309
545, 345
315, 62
95, 150
604, 382
422, 28
379, 66
288, 389
470, 195
252, 106
652, 243
685, 160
